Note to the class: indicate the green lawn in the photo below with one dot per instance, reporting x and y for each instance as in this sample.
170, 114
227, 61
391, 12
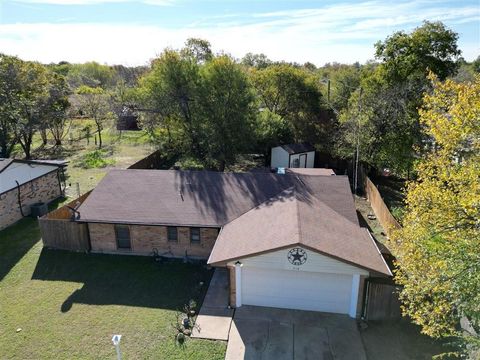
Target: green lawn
68, 305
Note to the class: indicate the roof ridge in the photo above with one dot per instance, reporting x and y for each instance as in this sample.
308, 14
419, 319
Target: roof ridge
299, 224
258, 205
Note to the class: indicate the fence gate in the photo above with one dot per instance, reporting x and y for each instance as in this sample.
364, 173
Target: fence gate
381, 300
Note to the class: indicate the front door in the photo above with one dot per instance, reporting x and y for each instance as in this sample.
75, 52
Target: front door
303, 160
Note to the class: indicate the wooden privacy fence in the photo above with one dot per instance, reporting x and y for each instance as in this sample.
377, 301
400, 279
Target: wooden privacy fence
64, 234
381, 300
59, 231
381, 211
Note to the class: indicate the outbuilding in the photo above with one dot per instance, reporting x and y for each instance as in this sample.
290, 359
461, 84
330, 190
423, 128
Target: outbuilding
293, 156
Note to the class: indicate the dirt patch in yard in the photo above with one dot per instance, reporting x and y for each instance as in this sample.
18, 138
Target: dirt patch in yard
364, 212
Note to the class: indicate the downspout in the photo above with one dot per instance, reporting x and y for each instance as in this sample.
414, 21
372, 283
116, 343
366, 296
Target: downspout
365, 300
19, 199
59, 183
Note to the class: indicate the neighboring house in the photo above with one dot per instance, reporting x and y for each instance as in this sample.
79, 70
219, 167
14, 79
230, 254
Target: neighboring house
289, 241
24, 183
293, 156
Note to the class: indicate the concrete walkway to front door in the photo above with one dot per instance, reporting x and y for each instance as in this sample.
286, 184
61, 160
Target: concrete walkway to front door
214, 318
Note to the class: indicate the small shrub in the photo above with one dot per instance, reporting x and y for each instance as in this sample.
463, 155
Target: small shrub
95, 159
398, 213
189, 164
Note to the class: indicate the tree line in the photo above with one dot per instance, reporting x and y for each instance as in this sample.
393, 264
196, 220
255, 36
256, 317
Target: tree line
211, 107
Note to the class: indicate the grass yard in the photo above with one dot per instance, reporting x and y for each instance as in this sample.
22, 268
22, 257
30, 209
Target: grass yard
121, 149
68, 305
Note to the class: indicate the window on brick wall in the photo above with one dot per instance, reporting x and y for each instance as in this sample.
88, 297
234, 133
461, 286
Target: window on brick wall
195, 235
172, 234
122, 234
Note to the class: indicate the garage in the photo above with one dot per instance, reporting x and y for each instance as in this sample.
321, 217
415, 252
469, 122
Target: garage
297, 251
301, 290
298, 278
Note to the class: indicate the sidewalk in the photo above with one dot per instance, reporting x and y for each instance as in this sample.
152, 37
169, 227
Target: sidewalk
214, 318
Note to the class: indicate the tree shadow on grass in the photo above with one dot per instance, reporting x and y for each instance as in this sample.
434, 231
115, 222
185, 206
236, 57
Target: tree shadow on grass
15, 241
124, 280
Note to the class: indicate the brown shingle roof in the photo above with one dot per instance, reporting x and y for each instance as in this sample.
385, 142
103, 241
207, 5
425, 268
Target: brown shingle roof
200, 197
291, 218
178, 197
311, 171
258, 211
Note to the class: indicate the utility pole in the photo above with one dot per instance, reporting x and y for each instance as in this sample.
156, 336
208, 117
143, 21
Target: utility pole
328, 91
357, 154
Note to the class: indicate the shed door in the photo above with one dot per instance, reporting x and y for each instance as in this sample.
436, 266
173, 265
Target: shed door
301, 290
303, 160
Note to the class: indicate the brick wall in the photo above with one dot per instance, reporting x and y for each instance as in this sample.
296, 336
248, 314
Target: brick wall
144, 238
44, 189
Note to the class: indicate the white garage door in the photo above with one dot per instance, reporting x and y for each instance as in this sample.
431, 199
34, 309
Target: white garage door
296, 289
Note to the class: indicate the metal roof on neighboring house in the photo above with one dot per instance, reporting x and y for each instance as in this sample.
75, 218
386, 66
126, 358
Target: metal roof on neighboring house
4, 163
22, 171
258, 211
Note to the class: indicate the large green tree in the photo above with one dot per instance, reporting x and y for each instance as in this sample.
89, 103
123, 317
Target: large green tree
437, 250
168, 96
95, 103
293, 95
200, 107
390, 129
24, 87
227, 110
53, 108
9, 93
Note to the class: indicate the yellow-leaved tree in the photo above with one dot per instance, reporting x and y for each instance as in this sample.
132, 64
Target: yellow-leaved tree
438, 248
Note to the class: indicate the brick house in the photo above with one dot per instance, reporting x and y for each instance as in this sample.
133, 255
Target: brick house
24, 183
270, 230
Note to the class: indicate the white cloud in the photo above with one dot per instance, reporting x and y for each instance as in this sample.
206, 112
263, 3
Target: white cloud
94, 2
342, 33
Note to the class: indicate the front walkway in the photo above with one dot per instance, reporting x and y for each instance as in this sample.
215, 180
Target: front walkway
214, 318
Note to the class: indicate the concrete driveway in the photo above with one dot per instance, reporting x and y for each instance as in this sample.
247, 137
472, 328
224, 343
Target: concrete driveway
277, 334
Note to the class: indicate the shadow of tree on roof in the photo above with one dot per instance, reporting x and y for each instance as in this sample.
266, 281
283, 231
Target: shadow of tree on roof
124, 280
225, 196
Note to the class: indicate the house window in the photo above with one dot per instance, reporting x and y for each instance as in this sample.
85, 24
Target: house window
195, 235
172, 234
296, 163
122, 234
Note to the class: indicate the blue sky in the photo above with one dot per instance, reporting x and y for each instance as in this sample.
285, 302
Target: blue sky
133, 32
